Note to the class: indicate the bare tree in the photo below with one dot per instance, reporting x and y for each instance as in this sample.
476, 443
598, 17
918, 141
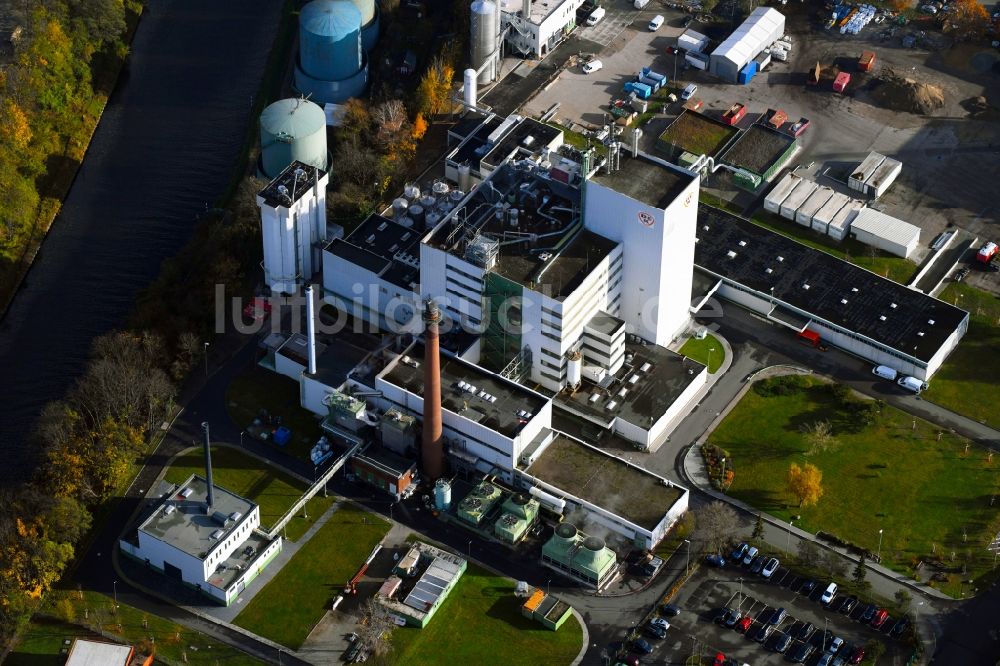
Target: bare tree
834, 563
375, 630
820, 436
390, 118
808, 552
717, 525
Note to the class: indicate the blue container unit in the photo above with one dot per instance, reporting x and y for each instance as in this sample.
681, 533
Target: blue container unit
747, 73
653, 84
641, 90
332, 66
648, 73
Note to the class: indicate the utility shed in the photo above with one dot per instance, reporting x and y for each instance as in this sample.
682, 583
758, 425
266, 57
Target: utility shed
797, 197
763, 27
810, 206
840, 225
780, 192
885, 232
824, 216
875, 174
692, 42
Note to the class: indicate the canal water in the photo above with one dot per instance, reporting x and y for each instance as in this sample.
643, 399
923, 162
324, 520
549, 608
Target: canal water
163, 151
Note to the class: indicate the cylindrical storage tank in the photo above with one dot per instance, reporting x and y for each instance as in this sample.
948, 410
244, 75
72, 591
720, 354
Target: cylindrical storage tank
399, 207
456, 196
574, 368
405, 221
469, 88
440, 188
431, 219
292, 129
515, 217
427, 202
464, 177
369, 23
330, 40
485, 24
442, 494
411, 191
417, 214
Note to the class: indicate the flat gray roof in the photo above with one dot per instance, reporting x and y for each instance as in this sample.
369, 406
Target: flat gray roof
605, 481
500, 415
186, 526
644, 180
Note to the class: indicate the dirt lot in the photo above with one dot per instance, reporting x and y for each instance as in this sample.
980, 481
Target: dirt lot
950, 158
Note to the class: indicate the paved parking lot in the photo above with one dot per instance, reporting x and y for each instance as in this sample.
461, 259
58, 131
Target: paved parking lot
711, 591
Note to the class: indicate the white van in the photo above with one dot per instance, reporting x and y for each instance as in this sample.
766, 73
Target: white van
912, 384
689, 92
885, 372
596, 16
655, 24
829, 593
640, 4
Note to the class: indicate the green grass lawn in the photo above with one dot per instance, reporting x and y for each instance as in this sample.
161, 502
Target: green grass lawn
968, 383
699, 351
895, 268
293, 602
45, 636
922, 492
247, 476
481, 623
259, 389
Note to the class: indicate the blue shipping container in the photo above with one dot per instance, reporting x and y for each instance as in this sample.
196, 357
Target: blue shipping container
747, 73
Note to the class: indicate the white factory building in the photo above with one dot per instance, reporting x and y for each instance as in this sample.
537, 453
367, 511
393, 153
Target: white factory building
763, 27
208, 542
293, 222
533, 28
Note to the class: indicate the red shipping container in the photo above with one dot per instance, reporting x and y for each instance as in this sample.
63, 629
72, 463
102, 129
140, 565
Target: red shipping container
840, 84
866, 61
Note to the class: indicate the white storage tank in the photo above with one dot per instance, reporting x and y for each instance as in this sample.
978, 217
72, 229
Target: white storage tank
469, 94
780, 192
574, 369
485, 38
442, 494
816, 200
796, 198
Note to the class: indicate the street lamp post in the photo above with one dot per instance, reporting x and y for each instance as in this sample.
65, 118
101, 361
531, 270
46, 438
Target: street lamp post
687, 567
206, 359
242, 432
470, 549
114, 586
878, 554
788, 536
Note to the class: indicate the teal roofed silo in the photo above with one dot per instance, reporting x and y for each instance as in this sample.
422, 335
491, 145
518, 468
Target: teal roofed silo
330, 40
292, 129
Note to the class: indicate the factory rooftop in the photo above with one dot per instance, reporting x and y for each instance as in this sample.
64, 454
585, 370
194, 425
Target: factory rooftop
383, 247
646, 181
476, 130
296, 348
181, 521
758, 148
823, 286
385, 460
611, 483
526, 138
563, 272
648, 394
290, 184
501, 410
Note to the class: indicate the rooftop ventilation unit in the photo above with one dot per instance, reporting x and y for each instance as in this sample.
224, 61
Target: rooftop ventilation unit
892, 305
843, 301
633, 379
743, 243
731, 254
930, 321
383, 226
645, 367
218, 534
370, 239
920, 333
805, 286
611, 405
594, 397
881, 317
405, 236
768, 271
854, 289
780, 258
235, 515
187, 492
169, 509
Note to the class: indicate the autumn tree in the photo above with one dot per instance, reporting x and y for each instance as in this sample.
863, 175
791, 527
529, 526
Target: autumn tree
968, 20
434, 90
717, 524
805, 483
820, 436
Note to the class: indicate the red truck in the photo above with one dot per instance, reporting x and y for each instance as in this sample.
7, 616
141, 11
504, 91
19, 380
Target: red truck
840, 83
734, 114
986, 253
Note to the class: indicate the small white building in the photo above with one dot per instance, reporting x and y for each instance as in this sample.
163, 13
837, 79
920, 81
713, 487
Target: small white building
85, 652
759, 31
874, 175
885, 232
534, 28
691, 41
215, 548
292, 223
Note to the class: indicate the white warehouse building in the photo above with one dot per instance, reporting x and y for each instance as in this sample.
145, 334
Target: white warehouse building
885, 232
759, 31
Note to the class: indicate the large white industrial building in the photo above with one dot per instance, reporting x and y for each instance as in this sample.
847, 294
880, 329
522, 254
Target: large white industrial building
758, 32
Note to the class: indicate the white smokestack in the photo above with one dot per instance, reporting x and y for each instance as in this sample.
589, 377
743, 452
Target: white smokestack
470, 88
311, 328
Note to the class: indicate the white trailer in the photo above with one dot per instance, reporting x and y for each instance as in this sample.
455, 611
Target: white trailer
797, 197
780, 192
816, 200
840, 226
822, 218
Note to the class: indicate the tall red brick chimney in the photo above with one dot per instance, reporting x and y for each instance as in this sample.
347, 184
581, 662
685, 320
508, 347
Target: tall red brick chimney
431, 452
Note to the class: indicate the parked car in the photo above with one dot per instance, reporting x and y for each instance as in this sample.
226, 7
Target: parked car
739, 552
732, 617
835, 644
762, 633
596, 16
912, 384
642, 645
881, 615
804, 631
850, 603
656, 631
758, 565
807, 587
670, 610
689, 91
593, 66
782, 642
751, 554
715, 560
825, 660
777, 616
744, 624
352, 652
655, 24
885, 372
770, 568
902, 624
868, 613
822, 639
802, 652
857, 656
828, 594
652, 567
721, 614
659, 622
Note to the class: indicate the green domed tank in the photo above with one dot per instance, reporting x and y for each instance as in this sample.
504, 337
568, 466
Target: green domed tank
292, 129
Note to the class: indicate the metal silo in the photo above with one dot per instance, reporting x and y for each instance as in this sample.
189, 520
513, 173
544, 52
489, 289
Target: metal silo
330, 39
332, 66
292, 129
485, 22
369, 22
